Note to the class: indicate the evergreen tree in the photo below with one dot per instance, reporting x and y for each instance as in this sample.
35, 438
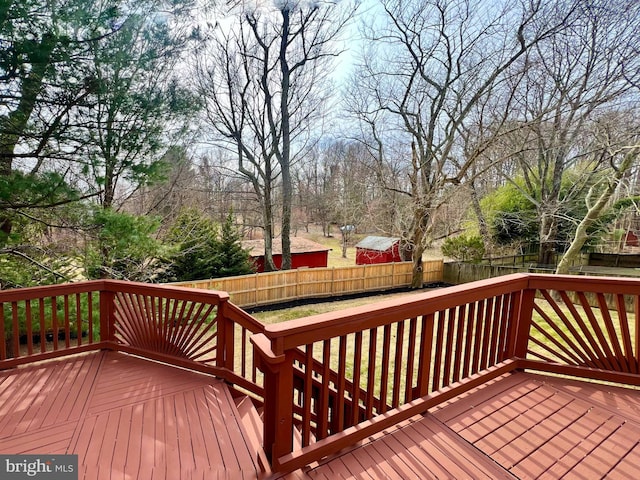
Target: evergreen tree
202, 250
232, 258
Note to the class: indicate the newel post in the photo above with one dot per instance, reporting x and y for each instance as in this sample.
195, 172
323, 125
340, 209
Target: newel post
278, 398
520, 323
107, 319
225, 350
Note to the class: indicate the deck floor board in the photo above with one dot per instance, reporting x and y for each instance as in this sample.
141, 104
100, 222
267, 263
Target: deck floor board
560, 428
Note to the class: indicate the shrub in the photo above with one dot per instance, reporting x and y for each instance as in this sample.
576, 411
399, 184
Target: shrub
464, 248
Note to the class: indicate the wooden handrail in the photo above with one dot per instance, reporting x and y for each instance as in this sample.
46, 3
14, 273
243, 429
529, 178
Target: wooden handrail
158, 321
295, 333
494, 322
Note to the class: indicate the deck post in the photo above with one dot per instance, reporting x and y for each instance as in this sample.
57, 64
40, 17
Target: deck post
278, 398
106, 316
521, 324
225, 351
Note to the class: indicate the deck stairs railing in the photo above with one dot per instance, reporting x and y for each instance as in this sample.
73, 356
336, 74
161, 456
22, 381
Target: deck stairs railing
310, 387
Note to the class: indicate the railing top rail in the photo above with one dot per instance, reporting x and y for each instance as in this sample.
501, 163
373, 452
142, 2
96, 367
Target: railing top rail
30, 293
625, 286
243, 319
314, 328
176, 292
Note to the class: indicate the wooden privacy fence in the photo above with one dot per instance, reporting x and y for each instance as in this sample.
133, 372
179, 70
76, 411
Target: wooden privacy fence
289, 285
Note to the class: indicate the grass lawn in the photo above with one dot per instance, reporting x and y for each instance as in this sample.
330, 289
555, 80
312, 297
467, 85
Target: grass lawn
291, 313
545, 348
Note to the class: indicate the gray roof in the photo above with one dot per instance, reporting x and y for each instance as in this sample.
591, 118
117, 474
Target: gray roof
380, 244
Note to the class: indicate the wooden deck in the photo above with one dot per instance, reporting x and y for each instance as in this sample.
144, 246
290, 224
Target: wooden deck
128, 417
125, 417
519, 426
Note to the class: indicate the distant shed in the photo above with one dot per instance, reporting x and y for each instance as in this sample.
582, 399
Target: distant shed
373, 249
304, 253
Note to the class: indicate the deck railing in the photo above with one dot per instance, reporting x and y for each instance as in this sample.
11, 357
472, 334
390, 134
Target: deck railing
337, 378
196, 329
331, 380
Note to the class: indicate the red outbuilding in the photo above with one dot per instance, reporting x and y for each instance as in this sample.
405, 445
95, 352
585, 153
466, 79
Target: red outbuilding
378, 250
304, 253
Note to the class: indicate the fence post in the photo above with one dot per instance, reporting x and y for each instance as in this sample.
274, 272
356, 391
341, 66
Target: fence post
278, 398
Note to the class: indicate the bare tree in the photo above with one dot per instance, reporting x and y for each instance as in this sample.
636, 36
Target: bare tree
434, 62
264, 77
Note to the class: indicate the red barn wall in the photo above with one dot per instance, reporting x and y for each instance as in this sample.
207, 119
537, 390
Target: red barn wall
367, 257
298, 260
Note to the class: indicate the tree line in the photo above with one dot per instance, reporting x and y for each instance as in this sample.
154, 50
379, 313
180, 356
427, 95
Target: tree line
143, 139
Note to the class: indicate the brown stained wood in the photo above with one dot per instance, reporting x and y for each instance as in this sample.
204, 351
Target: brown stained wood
572, 341
459, 332
496, 428
437, 361
478, 336
384, 378
489, 320
548, 427
411, 350
613, 335
448, 347
532, 426
572, 459
323, 407
173, 423
462, 405
371, 374
610, 361
423, 448
306, 396
498, 317
397, 364
614, 399
424, 361
355, 388
342, 366
564, 442
625, 332
468, 342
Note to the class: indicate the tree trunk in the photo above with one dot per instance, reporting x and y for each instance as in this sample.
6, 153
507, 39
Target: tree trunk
269, 266
548, 235
421, 221
482, 221
593, 213
285, 160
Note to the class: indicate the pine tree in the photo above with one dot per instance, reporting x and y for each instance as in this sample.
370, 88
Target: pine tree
232, 258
